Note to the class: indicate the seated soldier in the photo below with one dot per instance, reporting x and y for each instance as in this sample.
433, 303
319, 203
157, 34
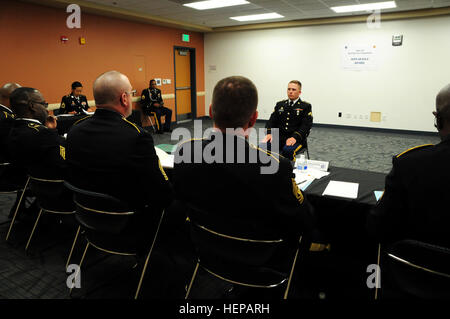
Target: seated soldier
152, 102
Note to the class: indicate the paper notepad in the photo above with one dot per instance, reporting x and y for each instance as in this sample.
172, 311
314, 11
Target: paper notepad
167, 160
342, 189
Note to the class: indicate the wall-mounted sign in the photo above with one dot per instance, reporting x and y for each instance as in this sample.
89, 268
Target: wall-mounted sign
359, 56
397, 40
185, 38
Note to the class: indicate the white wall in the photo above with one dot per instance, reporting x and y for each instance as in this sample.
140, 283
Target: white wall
403, 87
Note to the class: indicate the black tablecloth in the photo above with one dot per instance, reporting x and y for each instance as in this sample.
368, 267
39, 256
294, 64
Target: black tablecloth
342, 219
65, 122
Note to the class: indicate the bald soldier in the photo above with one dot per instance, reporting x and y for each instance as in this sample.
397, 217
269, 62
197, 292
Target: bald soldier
5, 93
108, 154
415, 202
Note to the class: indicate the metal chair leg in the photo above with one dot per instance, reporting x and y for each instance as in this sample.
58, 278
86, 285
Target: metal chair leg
307, 152
286, 292
377, 277
73, 246
192, 280
34, 228
79, 266
17, 209
148, 257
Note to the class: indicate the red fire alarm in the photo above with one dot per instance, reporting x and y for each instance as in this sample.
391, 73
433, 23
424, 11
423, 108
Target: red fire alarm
64, 39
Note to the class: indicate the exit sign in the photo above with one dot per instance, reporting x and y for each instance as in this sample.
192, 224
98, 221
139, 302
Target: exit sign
185, 38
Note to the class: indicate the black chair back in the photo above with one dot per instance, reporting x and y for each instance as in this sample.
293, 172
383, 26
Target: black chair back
100, 212
52, 195
217, 247
419, 269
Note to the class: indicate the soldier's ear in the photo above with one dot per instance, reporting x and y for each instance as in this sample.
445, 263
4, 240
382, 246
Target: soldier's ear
210, 111
253, 119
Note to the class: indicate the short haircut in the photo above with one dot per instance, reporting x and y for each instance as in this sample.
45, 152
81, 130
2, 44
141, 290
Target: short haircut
108, 87
76, 84
152, 80
19, 99
444, 112
297, 82
234, 101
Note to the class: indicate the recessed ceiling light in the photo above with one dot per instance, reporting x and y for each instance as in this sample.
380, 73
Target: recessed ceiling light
366, 7
253, 17
213, 4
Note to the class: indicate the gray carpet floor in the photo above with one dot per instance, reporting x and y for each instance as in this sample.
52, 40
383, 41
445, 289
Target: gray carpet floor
41, 272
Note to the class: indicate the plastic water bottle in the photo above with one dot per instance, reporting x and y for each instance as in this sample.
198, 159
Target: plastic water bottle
302, 164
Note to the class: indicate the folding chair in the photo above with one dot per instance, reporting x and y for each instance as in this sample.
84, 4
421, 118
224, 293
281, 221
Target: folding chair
418, 269
103, 219
240, 261
53, 198
11, 189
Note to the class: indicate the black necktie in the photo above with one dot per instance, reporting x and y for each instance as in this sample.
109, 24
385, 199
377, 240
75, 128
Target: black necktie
291, 103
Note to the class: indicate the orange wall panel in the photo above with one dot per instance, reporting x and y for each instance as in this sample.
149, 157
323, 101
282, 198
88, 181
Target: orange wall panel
33, 55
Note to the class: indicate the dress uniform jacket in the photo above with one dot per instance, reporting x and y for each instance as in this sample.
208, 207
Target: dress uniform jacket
416, 198
37, 150
108, 154
6, 122
236, 198
292, 121
149, 97
70, 103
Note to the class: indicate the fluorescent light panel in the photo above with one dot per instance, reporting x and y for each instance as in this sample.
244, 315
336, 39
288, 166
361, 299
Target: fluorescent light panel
253, 17
365, 7
213, 4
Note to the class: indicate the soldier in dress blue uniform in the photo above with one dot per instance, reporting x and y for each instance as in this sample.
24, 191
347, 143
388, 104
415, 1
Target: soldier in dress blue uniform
6, 117
153, 104
414, 203
293, 118
75, 102
34, 145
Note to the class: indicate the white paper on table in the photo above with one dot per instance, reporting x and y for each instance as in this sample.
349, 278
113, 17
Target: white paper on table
302, 176
316, 173
342, 189
167, 160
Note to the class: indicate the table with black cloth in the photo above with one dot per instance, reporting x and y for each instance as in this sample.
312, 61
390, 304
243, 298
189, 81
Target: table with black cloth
343, 220
341, 272
65, 122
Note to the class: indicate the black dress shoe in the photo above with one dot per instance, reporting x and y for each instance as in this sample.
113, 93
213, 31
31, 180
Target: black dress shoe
160, 132
168, 130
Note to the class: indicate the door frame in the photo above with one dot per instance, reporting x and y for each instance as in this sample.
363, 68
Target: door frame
193, 80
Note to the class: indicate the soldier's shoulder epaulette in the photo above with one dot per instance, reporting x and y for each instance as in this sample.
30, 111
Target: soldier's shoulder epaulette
306, 102
82, 119
189, 140
274, 155
36, 127
412, 149
132, 124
